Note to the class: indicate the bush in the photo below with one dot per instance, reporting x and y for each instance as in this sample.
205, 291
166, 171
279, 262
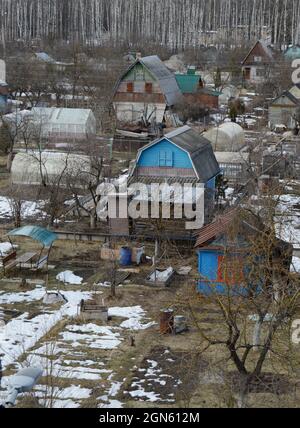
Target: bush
187, 111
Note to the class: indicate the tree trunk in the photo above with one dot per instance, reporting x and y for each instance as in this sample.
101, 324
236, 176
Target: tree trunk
9, 161
92, 221
257, 334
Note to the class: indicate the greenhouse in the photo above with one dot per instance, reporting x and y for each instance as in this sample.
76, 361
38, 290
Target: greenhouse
64, 123
51, 168
228, 137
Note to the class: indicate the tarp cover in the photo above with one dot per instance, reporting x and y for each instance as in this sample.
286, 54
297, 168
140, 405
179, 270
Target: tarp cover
44, 236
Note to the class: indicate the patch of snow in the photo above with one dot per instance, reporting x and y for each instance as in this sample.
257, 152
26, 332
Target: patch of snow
97, 337
134, 315
5, 247
161, 276
68, 277
141, 393
29, 208
295, 266
21, 334
73, 392
20, 297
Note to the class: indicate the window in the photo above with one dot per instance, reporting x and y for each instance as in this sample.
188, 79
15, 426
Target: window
166, 158
257, 59
130, 87
148, 88
260, 73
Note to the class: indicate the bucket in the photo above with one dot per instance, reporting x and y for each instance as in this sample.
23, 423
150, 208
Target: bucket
125, 256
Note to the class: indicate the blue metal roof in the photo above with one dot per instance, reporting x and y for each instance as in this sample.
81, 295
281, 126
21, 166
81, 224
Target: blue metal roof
44, 236
292, 52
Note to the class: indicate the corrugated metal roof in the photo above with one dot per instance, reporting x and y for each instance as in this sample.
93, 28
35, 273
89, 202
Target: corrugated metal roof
37, 233
200, 150
64, 116
161, 73
188, 83
166, 79
212, 230
290, 96
265, 48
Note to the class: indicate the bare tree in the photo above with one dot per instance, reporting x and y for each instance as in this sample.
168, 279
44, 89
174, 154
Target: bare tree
251, 317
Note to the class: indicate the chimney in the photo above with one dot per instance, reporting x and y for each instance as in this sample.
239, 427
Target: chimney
138, 55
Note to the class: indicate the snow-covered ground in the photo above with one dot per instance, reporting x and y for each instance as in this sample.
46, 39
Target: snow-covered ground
5, 247
21, 333
22, 341
288, 220
68, 277
29, 208
295, 267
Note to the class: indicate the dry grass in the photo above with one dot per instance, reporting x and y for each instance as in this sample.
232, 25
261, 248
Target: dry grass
125, 360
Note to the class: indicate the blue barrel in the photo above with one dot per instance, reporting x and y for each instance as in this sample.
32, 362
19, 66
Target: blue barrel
125, 256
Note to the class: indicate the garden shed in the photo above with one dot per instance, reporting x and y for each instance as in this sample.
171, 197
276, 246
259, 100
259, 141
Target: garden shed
228, 137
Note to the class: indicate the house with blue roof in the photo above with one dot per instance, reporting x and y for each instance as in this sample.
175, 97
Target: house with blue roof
182, 157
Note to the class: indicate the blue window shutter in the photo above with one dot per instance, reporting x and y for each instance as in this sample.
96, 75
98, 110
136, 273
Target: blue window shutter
169, 159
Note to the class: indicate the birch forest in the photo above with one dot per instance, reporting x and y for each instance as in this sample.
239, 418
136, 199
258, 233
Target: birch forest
173, 23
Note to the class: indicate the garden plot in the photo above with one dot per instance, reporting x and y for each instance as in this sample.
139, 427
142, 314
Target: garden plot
23, 332
165, 376
77, 358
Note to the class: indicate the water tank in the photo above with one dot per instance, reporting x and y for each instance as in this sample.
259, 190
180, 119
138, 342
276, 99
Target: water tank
125, 256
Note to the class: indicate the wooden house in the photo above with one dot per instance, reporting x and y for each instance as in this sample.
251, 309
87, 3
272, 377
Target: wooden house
145, 92
282, 110
181, 157
194, 90
259, 63
223, 247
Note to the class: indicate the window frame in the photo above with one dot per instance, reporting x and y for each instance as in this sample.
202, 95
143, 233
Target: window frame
149, 87
166, 159
130, 87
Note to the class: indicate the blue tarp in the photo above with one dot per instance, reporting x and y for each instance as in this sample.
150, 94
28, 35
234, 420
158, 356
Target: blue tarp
44, 236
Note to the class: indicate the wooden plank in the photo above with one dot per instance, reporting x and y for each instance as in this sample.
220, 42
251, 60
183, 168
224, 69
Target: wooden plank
26, 257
